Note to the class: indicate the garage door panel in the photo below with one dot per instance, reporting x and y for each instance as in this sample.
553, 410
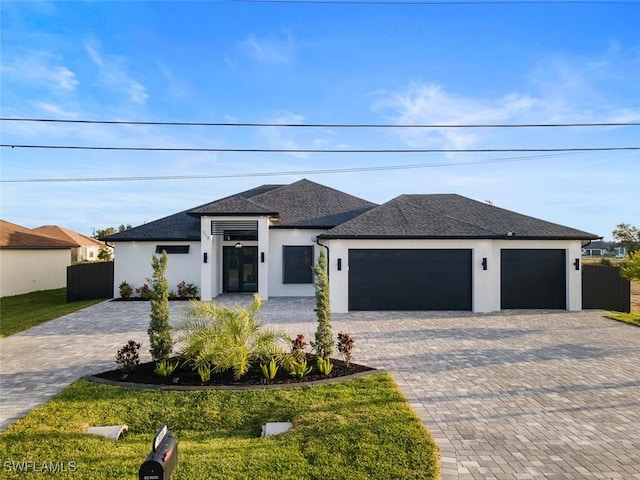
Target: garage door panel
533, 279
405, 279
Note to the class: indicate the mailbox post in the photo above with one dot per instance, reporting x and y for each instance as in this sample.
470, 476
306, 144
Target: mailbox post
163, 458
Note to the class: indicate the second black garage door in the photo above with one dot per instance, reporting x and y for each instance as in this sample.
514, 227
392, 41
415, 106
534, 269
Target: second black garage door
407, 279
533, 279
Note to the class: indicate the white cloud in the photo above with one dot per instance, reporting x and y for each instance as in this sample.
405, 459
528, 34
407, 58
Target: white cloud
559, 89
429, 103
270, 50
40, 68
113, 73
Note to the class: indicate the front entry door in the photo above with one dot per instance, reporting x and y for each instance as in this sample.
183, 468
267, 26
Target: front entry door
240, 269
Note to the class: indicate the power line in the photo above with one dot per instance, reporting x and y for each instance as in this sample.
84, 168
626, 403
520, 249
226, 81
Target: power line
324, 125
281, 173
320, 150
438, 2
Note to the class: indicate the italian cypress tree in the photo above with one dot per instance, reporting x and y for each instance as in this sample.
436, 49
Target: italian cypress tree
159, 329
323, 344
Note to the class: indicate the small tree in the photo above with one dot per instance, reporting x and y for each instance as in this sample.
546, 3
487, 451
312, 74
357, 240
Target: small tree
627, 236
323, 344
104, 253
631, 266
159, 329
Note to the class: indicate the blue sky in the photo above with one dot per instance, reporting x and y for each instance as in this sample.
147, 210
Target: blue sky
241, 62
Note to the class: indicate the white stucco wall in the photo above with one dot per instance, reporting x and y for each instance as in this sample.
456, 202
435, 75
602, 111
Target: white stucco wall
486, 283
292, 238
30, 270
133, 264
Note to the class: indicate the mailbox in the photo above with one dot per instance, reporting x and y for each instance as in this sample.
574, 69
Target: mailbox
163, 458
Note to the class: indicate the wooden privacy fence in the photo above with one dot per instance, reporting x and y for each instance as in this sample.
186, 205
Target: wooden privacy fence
604, 288
87, 281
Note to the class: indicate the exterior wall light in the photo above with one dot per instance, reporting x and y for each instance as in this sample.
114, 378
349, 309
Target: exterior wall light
239, 245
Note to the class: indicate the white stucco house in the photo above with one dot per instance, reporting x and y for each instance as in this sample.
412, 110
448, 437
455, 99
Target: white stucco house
30, 262
415, 252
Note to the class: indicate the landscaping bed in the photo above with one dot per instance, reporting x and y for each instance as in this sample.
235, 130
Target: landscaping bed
185, 376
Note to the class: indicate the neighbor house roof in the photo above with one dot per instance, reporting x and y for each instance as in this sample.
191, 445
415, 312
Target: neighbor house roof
61, 233
17, 237
449, 216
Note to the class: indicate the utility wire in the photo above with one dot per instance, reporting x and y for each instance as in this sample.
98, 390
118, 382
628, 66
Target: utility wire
438, 2
281, 173
319, 150
325, 125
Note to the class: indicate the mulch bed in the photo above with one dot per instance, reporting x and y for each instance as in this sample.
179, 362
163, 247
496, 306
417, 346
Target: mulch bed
185, 376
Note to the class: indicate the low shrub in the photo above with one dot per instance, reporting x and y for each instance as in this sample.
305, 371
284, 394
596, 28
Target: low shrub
187, 290
126, 290
128, 357
345, 347
165, 369
144, 292
324, 365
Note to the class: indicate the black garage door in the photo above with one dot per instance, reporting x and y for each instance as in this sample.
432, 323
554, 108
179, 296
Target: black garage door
533, 279
406, 279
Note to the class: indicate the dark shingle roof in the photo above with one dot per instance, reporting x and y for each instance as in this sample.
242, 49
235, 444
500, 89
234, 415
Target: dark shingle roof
302, 204
180, 226
449, 216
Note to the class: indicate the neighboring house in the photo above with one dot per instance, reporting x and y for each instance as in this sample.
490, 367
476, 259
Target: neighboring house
31, 262
415, 252
598, 249
87, 248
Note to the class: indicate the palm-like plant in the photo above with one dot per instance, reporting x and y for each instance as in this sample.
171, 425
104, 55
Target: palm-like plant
223, 337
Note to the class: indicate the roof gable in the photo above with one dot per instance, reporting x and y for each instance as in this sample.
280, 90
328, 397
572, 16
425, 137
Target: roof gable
449, 216
15, 236
303, 204
309, 204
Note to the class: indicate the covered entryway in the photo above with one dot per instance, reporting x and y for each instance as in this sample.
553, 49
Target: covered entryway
410, 279
532, 278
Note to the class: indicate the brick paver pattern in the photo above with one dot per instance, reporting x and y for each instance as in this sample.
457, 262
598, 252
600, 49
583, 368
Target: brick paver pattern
507, 396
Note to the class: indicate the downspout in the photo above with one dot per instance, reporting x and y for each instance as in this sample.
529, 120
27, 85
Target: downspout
328, 263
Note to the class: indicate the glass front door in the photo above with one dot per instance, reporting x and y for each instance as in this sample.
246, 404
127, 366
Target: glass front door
240, 269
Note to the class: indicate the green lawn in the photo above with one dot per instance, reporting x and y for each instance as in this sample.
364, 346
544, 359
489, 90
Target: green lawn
632, 318
358, 429
20, 312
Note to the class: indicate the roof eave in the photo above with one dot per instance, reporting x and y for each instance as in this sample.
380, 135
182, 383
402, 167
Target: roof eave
12, 247
233, 214
302, 227
154, 239
329, 236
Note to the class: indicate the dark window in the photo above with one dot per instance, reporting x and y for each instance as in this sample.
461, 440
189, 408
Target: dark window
236, 235
172, 248
297, 264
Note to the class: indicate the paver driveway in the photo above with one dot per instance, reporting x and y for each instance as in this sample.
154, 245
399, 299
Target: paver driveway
518, 395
